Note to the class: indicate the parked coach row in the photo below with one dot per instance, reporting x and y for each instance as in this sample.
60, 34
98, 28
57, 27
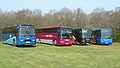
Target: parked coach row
26, 34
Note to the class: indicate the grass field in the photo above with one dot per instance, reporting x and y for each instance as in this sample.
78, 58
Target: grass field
47, 56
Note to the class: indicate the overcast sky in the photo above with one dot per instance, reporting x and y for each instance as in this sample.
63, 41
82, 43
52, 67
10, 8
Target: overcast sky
46, 5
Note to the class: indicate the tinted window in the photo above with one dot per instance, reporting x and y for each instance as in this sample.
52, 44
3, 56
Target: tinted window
49, 30
86, 33
97, 33
9, 30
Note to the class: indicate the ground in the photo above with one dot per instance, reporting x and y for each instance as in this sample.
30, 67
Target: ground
48, 56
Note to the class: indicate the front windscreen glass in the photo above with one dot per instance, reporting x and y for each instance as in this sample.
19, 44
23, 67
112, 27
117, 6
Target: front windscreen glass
27, 31
106, 34
65, 33
86, 33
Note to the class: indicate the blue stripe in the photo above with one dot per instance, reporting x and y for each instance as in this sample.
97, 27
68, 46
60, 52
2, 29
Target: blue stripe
27, 40
104, 41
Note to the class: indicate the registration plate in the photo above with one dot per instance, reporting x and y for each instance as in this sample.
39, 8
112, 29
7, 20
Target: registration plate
66, 43
106, 42
27, 42
87, 43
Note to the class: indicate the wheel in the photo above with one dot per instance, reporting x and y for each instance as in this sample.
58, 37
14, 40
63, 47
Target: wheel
14, 42
53, 42
40, 41
4, 43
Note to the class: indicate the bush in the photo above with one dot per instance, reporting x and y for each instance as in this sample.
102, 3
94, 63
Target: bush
116, 37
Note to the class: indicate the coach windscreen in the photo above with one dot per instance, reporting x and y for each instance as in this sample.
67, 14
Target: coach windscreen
27, 31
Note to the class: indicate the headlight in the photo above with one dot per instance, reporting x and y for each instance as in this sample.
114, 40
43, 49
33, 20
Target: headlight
33, 40
21, 40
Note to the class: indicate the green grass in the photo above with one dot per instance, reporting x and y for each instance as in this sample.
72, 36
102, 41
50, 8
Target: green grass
47, 56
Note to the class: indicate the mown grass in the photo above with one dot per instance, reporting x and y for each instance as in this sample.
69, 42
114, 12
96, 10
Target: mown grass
47, 56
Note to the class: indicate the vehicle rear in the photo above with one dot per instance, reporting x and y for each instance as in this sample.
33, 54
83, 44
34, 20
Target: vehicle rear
106, 37
82, 36
86, 36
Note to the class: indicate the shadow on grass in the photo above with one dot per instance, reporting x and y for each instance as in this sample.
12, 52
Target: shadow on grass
25, 46
101, 45
81, 45
21, 46
56, 45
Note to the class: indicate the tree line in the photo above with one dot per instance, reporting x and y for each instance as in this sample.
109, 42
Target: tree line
77, 18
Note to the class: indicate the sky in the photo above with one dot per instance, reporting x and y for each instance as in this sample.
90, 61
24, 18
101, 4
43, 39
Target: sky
46, 5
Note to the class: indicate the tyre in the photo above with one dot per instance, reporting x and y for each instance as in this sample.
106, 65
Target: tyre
40, 41
14, 42
53, 42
